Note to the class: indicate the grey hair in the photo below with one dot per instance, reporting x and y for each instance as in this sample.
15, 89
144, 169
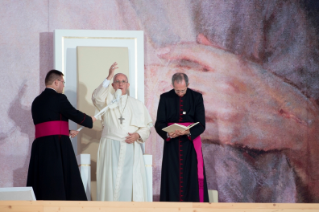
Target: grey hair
128, 91
118, 74
179, 77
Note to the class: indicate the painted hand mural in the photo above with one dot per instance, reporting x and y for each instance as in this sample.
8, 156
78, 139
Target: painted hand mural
248, 107
245, 58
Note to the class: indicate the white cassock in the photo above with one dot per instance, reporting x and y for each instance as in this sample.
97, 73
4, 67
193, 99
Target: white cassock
120, 166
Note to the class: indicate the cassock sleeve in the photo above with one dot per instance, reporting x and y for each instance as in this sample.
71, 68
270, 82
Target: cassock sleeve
199, 117
67, 110
161, 118
144, 133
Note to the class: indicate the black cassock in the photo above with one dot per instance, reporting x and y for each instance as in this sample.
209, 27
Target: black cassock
53, 170
179, 180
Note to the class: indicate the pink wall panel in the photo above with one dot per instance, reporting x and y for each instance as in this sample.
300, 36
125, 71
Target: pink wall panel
21, 25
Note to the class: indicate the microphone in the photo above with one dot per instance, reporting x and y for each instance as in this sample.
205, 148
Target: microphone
118, 94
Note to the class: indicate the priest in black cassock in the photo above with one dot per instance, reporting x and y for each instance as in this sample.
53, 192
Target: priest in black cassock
53, 171
183, 175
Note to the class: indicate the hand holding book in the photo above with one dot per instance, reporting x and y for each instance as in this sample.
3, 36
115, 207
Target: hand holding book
175, 126
177, 133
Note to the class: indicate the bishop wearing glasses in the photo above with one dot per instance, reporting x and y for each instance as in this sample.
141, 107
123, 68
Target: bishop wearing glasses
121, 172
183, 177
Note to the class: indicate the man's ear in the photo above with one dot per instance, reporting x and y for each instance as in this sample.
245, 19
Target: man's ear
128, 85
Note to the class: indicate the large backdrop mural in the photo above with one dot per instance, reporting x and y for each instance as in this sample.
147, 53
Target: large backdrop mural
255, 62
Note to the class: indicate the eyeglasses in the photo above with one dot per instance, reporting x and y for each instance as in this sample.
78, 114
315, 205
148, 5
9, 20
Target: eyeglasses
62, 81
119, 82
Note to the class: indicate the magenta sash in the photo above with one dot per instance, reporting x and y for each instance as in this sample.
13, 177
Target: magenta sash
200, 163
52, 128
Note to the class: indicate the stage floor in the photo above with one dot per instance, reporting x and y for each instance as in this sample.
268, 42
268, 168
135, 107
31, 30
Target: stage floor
94, 206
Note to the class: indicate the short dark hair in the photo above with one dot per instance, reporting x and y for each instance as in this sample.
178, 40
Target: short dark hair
179, 77
52, 76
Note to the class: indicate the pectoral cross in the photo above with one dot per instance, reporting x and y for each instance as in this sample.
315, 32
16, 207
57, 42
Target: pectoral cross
121, 119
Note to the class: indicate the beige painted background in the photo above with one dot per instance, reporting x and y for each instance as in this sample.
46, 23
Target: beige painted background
93, 68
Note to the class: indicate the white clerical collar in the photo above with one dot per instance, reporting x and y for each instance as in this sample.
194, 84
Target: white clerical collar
51, 88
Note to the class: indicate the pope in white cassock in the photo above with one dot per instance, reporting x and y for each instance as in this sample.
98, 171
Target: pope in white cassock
120, 165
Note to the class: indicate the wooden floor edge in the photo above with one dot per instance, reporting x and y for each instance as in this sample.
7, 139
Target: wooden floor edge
93, 206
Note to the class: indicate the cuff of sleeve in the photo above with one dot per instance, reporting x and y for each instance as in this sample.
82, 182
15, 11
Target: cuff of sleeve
140, 140
106, 83
168, 138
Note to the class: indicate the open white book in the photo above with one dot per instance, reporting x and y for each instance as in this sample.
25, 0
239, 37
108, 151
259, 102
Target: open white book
176, 126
